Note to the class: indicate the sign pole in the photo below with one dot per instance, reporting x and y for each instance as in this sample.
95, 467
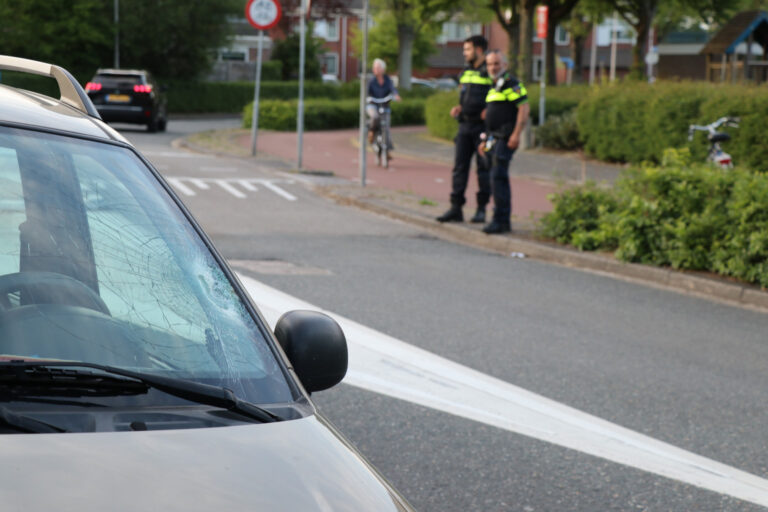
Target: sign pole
302, 57
364, 62
255, 113
542, 13
262, 15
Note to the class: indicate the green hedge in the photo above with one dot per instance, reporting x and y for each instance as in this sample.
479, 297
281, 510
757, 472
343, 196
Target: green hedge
560, 100
689, 217
635, 122
322, 114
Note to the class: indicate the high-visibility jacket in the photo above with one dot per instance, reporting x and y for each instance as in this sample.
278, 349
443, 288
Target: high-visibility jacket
474, 85
502, 103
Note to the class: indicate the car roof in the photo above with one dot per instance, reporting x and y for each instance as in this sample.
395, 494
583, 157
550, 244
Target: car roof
22, 107
72, 113
112, 71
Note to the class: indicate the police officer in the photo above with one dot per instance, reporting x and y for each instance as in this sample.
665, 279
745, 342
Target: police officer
506, 113
474, 84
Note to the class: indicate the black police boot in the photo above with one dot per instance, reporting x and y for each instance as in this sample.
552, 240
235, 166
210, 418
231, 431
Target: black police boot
454, 214
497, 227
479, 217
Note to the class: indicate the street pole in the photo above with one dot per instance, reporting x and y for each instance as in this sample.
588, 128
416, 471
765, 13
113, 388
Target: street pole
593, 55
364, 61
256, 87
302, 56
649, 62
117, 34
614, 41
543, 87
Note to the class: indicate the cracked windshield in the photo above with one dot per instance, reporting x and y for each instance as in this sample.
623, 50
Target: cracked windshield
97, 265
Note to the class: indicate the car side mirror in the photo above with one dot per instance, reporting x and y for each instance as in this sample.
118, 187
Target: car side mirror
315, 346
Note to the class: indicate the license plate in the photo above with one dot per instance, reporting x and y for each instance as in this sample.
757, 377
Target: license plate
118, 98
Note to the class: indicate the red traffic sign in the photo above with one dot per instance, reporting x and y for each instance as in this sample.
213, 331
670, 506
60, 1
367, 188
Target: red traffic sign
263, 14
542, 13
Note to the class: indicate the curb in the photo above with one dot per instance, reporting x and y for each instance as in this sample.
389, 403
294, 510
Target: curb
738, 294
707, 287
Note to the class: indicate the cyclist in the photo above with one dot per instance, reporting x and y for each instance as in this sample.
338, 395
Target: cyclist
474, 83
380, 86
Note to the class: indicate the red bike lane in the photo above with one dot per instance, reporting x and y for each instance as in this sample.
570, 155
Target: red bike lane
338, 152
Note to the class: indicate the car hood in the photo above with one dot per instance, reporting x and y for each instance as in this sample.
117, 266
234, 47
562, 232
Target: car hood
292, 465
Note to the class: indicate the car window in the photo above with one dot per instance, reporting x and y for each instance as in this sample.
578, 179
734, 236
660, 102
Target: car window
118, 80
12, 213
142, 289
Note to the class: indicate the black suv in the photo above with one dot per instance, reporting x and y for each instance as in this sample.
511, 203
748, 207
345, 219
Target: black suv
128, 96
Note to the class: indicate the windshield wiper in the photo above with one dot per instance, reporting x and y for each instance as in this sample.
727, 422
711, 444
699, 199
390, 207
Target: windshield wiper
18, 373
26, 424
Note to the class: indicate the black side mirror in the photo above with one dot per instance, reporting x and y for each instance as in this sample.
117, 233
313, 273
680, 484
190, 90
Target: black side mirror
316, 347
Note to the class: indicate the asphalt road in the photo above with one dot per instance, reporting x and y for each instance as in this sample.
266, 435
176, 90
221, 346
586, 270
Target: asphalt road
683, 370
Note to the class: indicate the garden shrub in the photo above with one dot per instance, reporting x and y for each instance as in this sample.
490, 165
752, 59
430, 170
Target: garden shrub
322, 114
559, 132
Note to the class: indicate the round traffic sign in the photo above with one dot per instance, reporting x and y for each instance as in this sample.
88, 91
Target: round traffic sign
263, 14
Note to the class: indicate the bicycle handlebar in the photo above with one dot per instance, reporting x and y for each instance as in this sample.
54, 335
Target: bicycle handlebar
712, 127
385, 99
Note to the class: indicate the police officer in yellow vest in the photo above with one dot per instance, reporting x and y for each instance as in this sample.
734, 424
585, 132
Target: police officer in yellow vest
506, 113
474, 83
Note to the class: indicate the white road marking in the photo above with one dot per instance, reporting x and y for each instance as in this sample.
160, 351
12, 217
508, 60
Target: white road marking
385, 365
181, 187
229, 185
439, 180
229, 188
173, 154
218, 169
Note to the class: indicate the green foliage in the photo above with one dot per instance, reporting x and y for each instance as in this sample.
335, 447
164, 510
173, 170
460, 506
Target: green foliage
323, 114
559, 132
383, 34
438, 117
688, 217
286, 51
271, 70
634, 122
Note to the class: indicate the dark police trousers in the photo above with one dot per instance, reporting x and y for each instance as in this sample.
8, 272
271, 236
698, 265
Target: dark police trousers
467, 141
498, 161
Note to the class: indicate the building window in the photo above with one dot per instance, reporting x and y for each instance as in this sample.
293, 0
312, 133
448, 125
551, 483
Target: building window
455, 31
624, 33
330, 64
562, 37
327, 29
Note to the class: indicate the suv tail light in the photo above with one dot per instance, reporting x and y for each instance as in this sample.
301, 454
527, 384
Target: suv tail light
92, 86
142, 88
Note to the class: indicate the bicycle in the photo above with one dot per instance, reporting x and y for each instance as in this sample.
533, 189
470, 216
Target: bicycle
381, 135
716, 154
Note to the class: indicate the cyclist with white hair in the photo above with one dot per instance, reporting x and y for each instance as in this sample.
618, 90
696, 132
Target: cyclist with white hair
379, 87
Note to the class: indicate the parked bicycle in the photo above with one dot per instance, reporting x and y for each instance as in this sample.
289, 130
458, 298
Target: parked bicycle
716, 154
381, 137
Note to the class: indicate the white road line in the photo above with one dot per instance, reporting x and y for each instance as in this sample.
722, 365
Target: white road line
248, 185
201, 184
385, 365
230, 188
181, 187
277, 190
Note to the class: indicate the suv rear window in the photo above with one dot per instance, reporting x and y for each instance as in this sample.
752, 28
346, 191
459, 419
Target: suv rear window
118, 80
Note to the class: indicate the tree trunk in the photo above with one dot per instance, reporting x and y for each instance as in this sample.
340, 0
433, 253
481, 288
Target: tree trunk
577, 53
405, 36
525, 57
513, 45
551, 52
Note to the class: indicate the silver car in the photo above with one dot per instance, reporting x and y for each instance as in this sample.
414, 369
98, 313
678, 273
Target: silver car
135, 372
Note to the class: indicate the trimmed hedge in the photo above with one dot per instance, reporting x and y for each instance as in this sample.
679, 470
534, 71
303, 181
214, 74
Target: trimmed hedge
688, 217
635, 122
560, 101
322, 114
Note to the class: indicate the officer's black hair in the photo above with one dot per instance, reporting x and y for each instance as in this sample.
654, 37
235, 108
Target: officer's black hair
478, 42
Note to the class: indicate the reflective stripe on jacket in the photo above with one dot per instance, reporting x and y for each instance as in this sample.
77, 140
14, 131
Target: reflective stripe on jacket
502, 102
474, 83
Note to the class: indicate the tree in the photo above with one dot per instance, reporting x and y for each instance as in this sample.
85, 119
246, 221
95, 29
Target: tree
559, 11
411, 17
174, 38
507, 13
381, 35
75, 34
287, 51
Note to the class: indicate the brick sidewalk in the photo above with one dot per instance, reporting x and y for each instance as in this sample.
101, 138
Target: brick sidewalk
422, 166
